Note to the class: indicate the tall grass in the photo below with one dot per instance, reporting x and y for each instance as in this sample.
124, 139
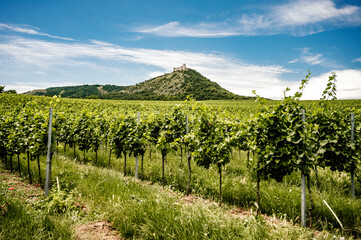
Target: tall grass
239, 188
141, 211
19, 220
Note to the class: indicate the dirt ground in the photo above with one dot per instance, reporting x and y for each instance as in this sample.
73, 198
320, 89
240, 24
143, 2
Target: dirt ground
97, 230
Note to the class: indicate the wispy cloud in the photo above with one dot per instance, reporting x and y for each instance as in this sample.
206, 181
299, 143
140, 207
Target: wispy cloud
293, 61
311, 58
46, 63
308, 57
305, 12
357, 60
28, 55
302, 17
29, 30
175, 29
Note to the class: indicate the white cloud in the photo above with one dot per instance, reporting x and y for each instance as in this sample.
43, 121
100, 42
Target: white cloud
348, 85
22, 86
313, 59
175, 29
155, 74
308, 57
28, 30
304, 12
357, 60
46, 64
301, 17
27, 56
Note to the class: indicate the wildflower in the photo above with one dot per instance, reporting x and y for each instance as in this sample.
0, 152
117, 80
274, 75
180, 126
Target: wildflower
11, 188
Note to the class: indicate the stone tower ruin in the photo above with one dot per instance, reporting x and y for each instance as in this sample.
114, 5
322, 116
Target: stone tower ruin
182, 68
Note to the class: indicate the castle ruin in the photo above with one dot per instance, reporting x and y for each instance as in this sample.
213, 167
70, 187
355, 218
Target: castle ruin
182, 68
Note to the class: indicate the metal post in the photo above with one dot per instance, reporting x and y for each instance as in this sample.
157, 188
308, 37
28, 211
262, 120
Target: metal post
48, 156
136, 158
303, 189
352, 142
303, 200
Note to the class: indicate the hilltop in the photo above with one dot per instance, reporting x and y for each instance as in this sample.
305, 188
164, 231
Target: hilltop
171, 86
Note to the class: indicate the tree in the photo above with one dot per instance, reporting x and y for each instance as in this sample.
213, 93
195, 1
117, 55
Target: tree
11, 91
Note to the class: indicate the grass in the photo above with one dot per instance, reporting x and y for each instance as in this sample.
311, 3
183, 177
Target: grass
19, 220
139, 210
239, 188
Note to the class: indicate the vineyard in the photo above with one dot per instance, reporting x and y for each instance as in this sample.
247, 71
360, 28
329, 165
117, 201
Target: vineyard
239, 153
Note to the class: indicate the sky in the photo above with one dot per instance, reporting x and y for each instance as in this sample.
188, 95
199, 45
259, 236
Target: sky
262, 45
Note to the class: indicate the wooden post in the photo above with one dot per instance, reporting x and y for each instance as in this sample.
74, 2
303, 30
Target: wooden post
136, 158
303, 189
352, 170
48, 156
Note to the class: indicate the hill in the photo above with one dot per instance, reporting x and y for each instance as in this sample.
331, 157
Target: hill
172, 86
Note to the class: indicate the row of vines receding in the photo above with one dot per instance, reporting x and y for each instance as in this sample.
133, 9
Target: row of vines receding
278, 139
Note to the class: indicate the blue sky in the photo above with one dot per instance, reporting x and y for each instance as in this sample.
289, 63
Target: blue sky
242, 45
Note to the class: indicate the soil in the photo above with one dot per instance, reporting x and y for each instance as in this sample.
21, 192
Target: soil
16, 184
97, 230
193, 199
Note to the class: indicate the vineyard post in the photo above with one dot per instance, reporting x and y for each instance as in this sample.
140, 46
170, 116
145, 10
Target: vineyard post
136, 158
303, 189
188, 159
48, 157
187, 131
352, 170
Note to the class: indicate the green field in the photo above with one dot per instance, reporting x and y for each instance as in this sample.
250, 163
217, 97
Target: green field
92, 174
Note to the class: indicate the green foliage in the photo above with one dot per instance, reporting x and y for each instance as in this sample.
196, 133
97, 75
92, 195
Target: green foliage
282, 142
22, 221
172, 86
65, 129
209, 141
330, 91
332, 138
124, 135
139, 138
6, 124
58, 202
11, 91
280, 138
172, 131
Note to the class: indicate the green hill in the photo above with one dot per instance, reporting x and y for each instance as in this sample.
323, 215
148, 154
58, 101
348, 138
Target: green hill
172, 86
